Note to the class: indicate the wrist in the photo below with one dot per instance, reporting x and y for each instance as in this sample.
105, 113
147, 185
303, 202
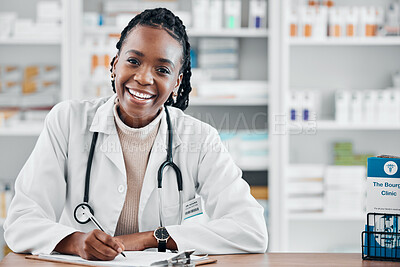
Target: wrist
151, 241
70, 244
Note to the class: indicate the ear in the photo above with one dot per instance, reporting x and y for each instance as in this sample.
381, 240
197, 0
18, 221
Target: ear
115, 62
178, 82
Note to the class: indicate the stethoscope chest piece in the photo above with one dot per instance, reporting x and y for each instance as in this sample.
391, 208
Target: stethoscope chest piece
82, 213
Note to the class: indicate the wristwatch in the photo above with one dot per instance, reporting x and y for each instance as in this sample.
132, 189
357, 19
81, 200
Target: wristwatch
162, 235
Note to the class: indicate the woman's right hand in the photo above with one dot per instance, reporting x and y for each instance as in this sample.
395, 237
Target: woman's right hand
95, 245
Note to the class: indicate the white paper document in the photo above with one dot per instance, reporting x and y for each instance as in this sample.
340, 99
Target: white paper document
133, 258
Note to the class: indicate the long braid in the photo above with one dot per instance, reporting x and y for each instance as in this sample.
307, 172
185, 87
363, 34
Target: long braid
165, 19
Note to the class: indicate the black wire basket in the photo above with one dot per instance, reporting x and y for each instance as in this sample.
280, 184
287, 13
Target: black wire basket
381, 238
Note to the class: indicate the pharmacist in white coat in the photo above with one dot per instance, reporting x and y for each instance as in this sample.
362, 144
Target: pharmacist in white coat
151, 67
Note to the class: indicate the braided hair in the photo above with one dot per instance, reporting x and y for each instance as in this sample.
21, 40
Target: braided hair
165, 19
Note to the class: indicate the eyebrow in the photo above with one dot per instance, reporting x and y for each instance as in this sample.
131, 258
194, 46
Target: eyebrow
140, 54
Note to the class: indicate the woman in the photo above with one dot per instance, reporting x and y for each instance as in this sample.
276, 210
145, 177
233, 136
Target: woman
151, 77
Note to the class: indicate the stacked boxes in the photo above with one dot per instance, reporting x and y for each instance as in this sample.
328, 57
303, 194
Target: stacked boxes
219, 56
29, 86
344, 189
305, 187
248, 150
47, 24
344, 155
368, 106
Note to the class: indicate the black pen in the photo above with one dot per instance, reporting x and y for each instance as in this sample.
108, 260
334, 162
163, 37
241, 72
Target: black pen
98, 225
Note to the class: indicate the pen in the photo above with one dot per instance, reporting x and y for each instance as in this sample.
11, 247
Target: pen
98, 225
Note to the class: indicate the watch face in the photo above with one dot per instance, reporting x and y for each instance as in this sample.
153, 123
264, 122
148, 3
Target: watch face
161, 233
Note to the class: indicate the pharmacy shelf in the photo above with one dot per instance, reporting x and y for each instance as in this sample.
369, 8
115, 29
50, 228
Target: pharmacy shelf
319, 216
241, 33
333, 125
357, 41
22, 129
220, 101
43, 41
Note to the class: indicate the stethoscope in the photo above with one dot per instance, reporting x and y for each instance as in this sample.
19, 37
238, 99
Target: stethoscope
83, 213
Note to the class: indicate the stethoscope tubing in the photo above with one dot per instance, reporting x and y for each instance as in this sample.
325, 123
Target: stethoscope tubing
168, 163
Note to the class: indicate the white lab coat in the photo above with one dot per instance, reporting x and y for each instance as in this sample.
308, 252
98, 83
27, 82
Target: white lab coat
51, 184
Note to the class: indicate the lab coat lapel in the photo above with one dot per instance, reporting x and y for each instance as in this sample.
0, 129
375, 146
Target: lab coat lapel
157, 156
103, 122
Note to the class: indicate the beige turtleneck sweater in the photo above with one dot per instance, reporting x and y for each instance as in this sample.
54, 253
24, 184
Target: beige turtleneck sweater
136, 144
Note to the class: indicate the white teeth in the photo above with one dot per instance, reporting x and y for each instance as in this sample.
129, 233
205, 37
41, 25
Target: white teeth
140, 95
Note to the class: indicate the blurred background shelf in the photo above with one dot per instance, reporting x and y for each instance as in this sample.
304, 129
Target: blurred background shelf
239, 33
45, 41
356, 41
209, 101
337, 126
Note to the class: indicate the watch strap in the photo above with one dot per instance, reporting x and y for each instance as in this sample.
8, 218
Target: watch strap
162, 245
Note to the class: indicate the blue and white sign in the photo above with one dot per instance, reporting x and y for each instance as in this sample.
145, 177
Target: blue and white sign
383, 185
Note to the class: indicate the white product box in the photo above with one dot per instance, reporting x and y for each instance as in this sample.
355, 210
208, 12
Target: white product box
344, 201
218, 60
305, 188
309, 203
370, 111
382, 107
200, 9
309, 108
233, 14
342, 106
7, 20
305, 172
215, 14
229, 73
213, 44
383, 185
295, 106
320, 29
48, 11
350, 177
258, 14
356, 107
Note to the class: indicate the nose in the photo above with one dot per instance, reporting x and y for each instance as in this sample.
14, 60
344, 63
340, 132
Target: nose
144, 76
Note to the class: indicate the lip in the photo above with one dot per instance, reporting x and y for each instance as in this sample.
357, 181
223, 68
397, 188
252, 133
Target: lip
137, 99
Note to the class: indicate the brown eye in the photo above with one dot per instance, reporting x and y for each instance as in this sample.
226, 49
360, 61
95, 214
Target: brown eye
133, 61
164, 70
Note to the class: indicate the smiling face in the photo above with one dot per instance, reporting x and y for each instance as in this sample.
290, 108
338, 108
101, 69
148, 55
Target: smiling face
147, 71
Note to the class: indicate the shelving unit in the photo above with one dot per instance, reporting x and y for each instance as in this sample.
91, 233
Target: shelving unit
324, 65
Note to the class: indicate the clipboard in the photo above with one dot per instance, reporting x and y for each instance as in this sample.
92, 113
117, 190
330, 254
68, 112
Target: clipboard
36, 257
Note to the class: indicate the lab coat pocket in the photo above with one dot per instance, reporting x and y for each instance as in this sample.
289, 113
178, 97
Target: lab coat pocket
171, 215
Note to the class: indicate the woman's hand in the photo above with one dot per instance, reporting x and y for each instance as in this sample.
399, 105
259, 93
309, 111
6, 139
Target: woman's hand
95, 245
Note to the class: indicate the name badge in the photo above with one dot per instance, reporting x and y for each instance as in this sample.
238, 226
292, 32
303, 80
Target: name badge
192, 208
